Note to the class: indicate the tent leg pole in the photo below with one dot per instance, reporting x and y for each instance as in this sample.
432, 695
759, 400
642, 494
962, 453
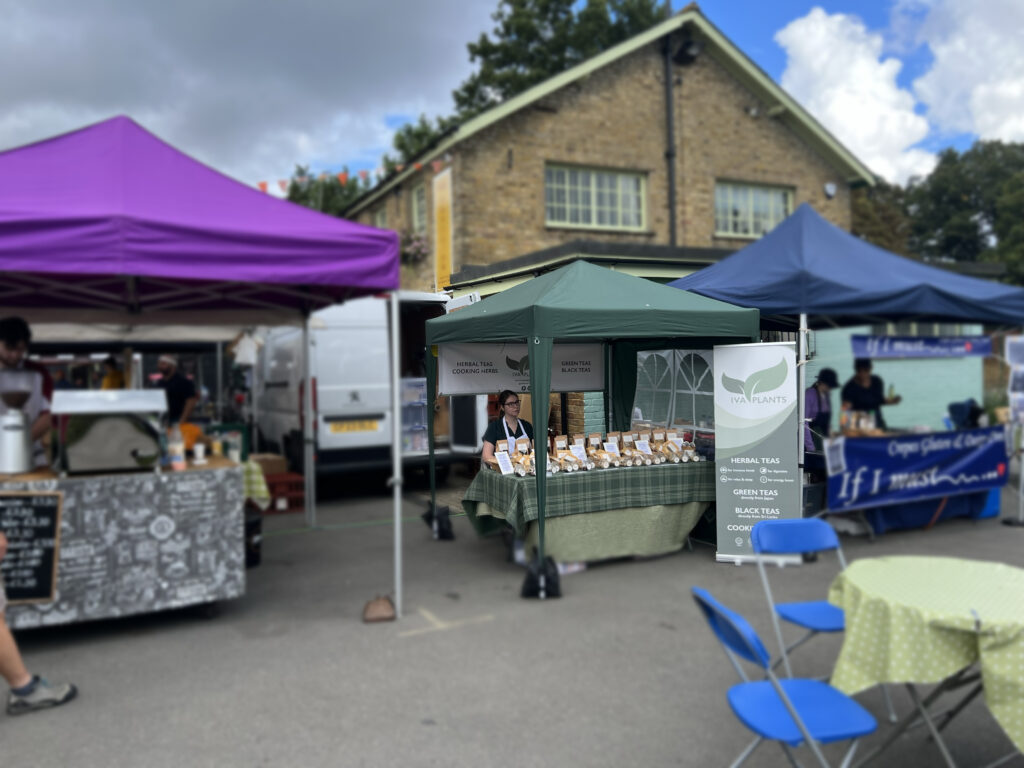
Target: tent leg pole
396, 450
220, 382
801, 386
308, 469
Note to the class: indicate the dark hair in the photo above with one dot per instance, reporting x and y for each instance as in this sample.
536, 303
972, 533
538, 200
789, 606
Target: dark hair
828, 377
504, 395
111, 361
14, 330
862, 364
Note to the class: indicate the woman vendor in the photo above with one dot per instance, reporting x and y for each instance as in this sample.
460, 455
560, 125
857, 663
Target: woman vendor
818, 409
865, 392
508, 427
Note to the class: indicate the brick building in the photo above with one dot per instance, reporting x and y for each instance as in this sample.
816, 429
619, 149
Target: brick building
657, 157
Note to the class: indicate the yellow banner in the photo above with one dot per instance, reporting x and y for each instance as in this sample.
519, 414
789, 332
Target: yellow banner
442, 229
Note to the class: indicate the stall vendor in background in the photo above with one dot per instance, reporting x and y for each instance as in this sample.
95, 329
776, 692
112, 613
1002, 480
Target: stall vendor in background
14, 340
865, 392
113, 377
818, 409
181, 393
508, 427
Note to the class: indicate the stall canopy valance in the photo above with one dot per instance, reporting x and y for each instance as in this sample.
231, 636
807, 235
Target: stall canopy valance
110, 221
582, 301
807, 265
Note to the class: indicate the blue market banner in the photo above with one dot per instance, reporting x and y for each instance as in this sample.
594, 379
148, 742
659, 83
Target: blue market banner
876, 471
921, 346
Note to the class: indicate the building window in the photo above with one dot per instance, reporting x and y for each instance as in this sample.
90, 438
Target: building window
380, 218
419, 208
675, 387
583, 197
746, 210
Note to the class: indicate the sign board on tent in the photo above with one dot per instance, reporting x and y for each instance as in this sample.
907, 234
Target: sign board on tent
469, 369
31, 523
755, 442
921, 346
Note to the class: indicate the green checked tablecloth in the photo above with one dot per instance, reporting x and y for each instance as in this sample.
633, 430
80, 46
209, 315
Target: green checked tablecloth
628, 510
921, 619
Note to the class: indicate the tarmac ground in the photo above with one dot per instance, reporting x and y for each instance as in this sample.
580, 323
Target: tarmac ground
622, 670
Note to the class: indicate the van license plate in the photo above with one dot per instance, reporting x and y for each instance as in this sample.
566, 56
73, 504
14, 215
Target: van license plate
354, 425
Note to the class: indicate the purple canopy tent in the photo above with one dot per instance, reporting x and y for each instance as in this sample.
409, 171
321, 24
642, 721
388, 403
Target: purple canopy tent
110, 224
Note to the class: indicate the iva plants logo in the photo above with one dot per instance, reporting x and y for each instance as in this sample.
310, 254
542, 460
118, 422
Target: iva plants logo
522, 367
759, 383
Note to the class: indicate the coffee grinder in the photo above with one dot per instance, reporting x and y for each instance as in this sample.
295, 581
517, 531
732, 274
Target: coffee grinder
15, 430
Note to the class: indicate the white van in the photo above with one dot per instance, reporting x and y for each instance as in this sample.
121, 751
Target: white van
351, 389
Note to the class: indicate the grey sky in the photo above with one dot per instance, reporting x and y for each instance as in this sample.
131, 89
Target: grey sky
248, 86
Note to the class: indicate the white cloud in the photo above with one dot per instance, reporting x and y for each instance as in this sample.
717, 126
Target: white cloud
976, 83
835, 69
250, 87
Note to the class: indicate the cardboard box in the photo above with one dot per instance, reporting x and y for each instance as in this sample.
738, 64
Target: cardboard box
270, 463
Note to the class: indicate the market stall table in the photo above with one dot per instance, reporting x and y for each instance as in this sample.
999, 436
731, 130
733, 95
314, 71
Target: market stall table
926, 620
598, 514
143, 542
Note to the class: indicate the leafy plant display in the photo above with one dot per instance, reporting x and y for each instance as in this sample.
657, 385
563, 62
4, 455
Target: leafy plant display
759, 381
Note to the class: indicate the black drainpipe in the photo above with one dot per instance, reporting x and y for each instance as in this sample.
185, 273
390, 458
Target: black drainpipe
670, 141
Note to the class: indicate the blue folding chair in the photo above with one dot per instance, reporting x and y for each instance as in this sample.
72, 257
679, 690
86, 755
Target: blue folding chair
797, 537
801, 537
790, 711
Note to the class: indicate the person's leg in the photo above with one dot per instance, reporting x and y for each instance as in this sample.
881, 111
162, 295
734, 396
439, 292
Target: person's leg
12, 668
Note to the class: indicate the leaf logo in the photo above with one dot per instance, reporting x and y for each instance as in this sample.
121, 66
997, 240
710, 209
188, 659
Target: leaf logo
759, 381
521, 367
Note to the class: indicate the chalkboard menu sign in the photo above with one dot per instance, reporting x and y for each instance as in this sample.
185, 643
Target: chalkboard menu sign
31, 522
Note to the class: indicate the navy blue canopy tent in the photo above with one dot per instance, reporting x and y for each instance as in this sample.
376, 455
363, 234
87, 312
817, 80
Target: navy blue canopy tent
808, 266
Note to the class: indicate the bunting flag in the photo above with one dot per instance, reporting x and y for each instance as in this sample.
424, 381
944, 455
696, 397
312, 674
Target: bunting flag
399, 167
343, 178
262, 185
364, 175
437, 165
418, 166
283, 184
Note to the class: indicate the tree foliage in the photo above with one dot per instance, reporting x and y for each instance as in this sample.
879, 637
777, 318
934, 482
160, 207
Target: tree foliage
879, 215
325, 193
955, 209
532, 40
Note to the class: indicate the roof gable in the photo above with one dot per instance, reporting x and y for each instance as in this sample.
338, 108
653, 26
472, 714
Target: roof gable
739, 65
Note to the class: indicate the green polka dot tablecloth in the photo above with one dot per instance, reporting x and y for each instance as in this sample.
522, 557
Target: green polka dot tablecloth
916, 619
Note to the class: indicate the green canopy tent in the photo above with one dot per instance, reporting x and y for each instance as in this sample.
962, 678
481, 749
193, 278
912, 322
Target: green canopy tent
582, 302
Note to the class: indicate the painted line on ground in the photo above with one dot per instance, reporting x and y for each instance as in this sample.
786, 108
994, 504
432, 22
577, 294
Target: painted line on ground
439, 625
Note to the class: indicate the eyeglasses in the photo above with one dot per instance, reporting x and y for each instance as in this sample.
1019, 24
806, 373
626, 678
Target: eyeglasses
513, 403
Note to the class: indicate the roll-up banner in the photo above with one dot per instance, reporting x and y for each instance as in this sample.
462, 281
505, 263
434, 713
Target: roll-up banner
470, 369
755, 442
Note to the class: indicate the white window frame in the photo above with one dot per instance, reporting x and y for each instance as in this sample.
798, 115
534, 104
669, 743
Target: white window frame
419, 208
672, 383
745, 193
380, 218
586, 199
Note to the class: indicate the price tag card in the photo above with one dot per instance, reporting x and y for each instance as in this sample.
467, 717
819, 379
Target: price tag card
643, 446
579, 452
504, 462
678, 442
612, 448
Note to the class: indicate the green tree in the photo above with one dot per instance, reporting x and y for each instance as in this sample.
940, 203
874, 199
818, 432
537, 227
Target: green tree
1009, 226
532, 40
535, 39
879, 215
954, 208
325, 193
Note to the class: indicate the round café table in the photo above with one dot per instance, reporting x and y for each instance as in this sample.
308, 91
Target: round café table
921, 620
